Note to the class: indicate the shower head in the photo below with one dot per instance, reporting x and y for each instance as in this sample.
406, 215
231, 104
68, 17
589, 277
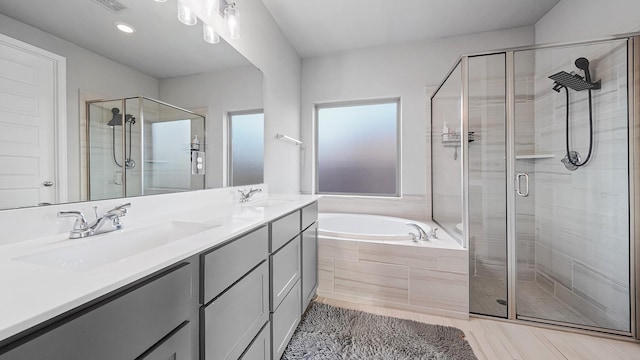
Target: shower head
116, 120
573, 81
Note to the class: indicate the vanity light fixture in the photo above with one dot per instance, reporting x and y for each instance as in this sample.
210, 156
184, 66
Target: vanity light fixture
125, 28
231, 19
185, 15
230, 15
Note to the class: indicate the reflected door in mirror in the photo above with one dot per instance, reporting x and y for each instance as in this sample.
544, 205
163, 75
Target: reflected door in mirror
27, 111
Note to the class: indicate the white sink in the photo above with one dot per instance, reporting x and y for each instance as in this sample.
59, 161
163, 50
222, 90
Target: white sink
99, 250
266, 203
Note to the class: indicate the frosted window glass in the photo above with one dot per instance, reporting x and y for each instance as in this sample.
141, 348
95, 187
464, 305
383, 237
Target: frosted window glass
247, 149
358, 149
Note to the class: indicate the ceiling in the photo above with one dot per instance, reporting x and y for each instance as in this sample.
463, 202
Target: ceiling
161, 46
319, 27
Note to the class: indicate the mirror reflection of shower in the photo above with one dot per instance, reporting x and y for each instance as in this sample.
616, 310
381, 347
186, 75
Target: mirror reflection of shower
116, 120
563, 80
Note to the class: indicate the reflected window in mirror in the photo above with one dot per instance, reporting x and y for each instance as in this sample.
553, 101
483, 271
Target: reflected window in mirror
246, 147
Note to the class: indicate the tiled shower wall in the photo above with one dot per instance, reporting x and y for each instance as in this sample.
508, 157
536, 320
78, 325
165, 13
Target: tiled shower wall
582, 217
106, 178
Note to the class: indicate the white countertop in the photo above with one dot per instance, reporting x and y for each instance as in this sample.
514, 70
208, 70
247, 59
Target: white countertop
32, 294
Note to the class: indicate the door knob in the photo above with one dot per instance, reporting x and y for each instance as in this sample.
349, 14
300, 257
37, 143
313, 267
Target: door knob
48, 183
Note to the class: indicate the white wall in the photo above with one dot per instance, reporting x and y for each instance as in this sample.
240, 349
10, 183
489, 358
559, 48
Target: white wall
86, 71
220, 92
403, 71
573, 20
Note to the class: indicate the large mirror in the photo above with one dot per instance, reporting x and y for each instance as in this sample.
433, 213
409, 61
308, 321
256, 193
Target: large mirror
73, 86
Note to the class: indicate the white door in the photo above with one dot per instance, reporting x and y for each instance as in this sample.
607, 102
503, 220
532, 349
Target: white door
29, 114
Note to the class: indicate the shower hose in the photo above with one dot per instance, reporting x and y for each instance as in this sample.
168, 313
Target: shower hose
113, 137
577, 162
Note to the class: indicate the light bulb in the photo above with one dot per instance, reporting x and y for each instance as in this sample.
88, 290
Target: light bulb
209, 34
232, 21
185, 15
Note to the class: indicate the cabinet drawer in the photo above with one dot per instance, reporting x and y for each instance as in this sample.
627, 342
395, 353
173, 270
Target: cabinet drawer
260, 349
225, 265
284, 229
285, 320
309, 264
234, 319
309, 215
285, 271
176, 347
122, 327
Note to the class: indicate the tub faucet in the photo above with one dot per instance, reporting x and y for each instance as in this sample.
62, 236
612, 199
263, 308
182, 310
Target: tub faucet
422, 235
246, 195
82, 229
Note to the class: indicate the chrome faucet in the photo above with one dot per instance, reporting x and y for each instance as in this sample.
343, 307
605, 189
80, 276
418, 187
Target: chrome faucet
247, 194
422, 235
82, 229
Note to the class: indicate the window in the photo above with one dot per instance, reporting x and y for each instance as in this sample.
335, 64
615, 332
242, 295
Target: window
357, 148
246, 148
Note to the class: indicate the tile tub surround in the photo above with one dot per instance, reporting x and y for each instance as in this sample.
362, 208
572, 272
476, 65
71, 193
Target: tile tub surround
23, 304
414, 207
410, 276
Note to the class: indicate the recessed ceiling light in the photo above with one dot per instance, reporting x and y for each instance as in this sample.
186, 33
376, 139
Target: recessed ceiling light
125, 28
161, 0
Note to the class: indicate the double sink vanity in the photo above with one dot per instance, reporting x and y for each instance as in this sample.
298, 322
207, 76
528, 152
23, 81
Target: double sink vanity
221, 281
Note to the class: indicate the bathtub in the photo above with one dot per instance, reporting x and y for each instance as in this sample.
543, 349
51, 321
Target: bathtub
371, 259
376, 228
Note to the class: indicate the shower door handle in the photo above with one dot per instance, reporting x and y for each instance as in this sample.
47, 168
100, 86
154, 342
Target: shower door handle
524, 193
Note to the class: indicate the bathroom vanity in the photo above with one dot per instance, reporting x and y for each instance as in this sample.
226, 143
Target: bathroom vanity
234, 289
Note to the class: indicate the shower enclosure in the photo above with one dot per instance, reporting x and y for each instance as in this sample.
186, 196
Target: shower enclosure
140, 146
533, 154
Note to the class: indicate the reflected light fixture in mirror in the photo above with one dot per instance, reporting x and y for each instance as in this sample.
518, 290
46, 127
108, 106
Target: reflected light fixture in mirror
209, 34
231, 19
125, 28
185, 15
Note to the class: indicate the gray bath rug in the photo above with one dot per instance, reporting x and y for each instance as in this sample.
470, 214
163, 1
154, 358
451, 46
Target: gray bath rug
327, 332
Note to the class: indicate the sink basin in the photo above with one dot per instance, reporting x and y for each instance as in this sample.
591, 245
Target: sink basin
103, 249
266, 203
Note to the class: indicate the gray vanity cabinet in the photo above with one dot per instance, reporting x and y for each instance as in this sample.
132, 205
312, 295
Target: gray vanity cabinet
235, 300
309, 264
176, 346
122, 326
285, 271
284, 321
283, 230
260, 348
225, 265
233, 320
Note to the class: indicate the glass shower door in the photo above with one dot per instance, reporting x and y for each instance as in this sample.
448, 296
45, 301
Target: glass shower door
572, 222
486, 184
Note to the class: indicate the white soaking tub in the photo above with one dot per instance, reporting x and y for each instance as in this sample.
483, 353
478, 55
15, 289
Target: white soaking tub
385, 229
374, 260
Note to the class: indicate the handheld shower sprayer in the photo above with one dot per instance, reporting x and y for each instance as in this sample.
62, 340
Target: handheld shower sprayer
117, 120
583, 64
